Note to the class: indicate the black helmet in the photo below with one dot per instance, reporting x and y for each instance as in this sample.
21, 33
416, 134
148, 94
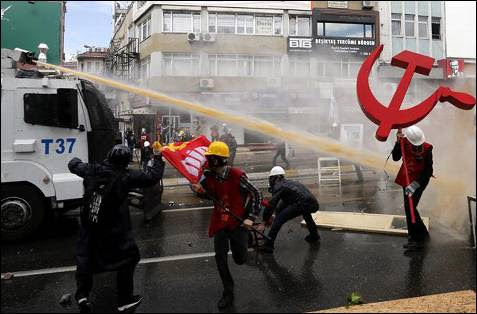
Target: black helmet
119, 155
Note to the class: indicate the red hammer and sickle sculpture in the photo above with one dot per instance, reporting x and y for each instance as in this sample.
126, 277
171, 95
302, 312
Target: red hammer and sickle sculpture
393, 117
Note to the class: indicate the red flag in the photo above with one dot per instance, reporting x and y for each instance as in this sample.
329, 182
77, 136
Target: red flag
188, 157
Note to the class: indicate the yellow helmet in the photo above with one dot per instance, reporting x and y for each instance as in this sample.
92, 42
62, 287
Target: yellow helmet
218, 148
157, 146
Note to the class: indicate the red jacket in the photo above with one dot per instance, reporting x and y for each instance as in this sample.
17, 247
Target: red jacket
416, 163
228, 193
144, 137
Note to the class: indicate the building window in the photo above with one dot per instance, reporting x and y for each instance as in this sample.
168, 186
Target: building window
409, 26
226, 23
230, 23
299, 66
320, 28
422, 26
245, 24
97, 67
88, 66
436, 27
144, 29
396, 19
355, 30
368, 31
240, 65
58, 110
145, 68
180, 64
181, 22
265, 66
299, 25
82, 66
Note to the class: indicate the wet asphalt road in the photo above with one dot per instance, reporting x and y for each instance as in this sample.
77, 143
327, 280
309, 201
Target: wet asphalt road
298, 277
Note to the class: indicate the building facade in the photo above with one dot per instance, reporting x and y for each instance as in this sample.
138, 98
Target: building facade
290, 61
46, 18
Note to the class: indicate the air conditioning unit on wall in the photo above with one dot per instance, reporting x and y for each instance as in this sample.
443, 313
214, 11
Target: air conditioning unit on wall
193, 36
206, 83
369, 4
274, 82
208, 37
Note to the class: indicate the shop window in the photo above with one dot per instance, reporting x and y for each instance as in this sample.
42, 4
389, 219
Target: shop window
355, 30
436, 27
58, 110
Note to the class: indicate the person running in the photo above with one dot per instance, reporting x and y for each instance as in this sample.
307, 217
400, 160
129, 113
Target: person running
230, 188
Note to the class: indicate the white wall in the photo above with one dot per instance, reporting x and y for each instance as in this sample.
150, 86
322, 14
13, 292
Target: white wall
460, 29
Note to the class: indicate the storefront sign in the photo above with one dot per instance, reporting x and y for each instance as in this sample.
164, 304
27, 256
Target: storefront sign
303, 44
338, 4
452, 67
351, 46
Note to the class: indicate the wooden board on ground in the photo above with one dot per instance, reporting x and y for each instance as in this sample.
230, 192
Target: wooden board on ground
380, 223
452, 302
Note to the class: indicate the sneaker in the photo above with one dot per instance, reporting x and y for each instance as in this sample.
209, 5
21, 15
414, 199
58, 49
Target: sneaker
131, 306
312, 238
84, 305
226, 300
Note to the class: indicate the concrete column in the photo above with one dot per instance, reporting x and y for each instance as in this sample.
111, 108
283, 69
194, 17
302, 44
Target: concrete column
156, 20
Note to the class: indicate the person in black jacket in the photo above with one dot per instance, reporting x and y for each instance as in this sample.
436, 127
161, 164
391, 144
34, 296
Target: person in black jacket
106, 241
290, 199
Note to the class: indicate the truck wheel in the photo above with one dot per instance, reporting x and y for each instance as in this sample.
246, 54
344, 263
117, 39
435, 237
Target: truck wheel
23, 211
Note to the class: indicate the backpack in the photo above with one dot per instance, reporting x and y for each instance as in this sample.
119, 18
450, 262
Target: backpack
101, 195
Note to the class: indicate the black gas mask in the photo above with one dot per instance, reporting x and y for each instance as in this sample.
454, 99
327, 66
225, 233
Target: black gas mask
272, 181
216, 161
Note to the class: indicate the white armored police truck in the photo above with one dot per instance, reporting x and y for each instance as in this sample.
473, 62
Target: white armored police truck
46, 121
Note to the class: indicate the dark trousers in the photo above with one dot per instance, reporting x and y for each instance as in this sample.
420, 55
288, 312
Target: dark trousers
416, 231
238, 239
125, 284
289, 213
282, 153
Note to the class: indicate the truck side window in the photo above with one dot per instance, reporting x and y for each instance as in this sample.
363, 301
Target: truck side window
59, 110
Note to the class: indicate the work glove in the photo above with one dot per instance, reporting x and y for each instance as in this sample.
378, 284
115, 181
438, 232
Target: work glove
411, 188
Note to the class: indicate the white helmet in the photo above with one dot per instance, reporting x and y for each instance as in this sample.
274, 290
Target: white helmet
277, 171
415, 135
146, 144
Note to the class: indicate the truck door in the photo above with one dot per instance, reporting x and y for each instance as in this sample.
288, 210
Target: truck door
104, 132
